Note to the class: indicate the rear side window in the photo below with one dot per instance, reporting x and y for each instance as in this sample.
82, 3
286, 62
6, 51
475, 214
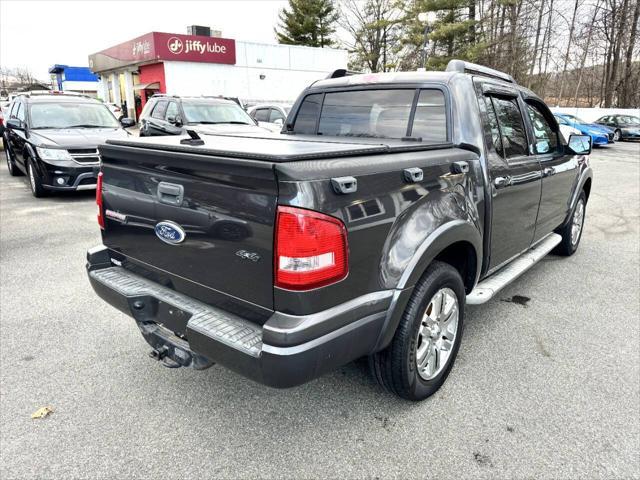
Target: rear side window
493, 125
159, 110
20, 112
148, 107
514, 138
261, 115
308, 114
430, 120
366, 113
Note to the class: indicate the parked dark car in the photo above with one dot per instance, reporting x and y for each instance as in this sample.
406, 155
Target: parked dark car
172, 114
626, 127
393, 200
54, 138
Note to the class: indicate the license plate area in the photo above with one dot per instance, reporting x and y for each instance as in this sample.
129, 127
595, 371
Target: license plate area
172, 318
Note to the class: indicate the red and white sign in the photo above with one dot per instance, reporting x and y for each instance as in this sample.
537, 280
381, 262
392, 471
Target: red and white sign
192, 48
165, 46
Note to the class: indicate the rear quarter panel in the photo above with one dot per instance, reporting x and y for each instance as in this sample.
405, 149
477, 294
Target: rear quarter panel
387, 219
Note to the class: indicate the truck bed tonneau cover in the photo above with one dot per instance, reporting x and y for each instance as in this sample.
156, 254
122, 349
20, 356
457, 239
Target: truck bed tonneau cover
278, 148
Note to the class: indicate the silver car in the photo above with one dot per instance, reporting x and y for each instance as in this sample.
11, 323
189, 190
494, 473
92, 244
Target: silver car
271, 116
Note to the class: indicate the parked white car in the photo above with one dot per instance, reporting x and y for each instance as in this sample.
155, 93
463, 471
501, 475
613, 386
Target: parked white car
271, 116
566, 130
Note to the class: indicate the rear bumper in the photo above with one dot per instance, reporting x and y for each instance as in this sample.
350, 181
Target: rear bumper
286, 351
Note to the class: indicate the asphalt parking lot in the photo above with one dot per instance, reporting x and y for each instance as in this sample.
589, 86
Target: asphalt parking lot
547, 387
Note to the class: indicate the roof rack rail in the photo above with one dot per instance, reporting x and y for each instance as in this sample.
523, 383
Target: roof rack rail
35, 93
461, 66
341, 72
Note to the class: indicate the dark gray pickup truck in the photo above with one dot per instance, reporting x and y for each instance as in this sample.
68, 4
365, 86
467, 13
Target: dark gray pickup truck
388, 203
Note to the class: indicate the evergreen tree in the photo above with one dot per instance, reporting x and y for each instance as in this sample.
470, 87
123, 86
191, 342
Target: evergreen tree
307, 22
452, 35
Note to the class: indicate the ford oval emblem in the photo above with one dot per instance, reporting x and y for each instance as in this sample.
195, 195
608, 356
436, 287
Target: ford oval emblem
170, 232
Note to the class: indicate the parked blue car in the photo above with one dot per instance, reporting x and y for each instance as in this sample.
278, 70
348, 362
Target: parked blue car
600, 135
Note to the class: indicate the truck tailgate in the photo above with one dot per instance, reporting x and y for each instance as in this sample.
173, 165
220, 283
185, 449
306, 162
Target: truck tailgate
226, 208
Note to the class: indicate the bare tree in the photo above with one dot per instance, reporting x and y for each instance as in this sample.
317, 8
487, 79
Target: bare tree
370, 27
586, 51
628, 68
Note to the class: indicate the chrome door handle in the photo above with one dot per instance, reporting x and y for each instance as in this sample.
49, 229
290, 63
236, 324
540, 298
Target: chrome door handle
548, 171
501, 182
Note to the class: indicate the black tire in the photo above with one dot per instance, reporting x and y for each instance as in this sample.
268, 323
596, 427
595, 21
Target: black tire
35, 182
395, 368
569, 244
617, 135
14, 171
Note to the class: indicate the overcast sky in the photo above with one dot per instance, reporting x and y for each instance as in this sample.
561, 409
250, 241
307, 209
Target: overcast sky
38, 34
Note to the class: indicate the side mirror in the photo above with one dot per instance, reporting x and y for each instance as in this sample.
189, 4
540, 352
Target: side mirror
177, 120
15, 124
127, 122
279, 121
580, 144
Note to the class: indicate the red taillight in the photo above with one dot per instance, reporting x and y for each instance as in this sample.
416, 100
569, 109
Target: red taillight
310, 250
99, 201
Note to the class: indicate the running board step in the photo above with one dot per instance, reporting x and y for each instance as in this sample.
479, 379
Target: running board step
489, 287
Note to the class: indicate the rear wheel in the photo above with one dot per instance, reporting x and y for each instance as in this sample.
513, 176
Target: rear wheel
424, 348
617, 135
11, 163
35, 182
572, 232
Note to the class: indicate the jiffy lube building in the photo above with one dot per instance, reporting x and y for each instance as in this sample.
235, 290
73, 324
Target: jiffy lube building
158, 62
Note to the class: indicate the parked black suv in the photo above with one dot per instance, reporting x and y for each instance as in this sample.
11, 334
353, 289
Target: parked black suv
626, 127
170, 114
54, 138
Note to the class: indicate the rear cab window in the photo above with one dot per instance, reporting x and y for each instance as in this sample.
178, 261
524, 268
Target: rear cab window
376, 113
159, 110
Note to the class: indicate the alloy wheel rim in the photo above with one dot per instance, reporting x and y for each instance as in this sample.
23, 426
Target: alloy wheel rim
577, 222
616, 136
436, 335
